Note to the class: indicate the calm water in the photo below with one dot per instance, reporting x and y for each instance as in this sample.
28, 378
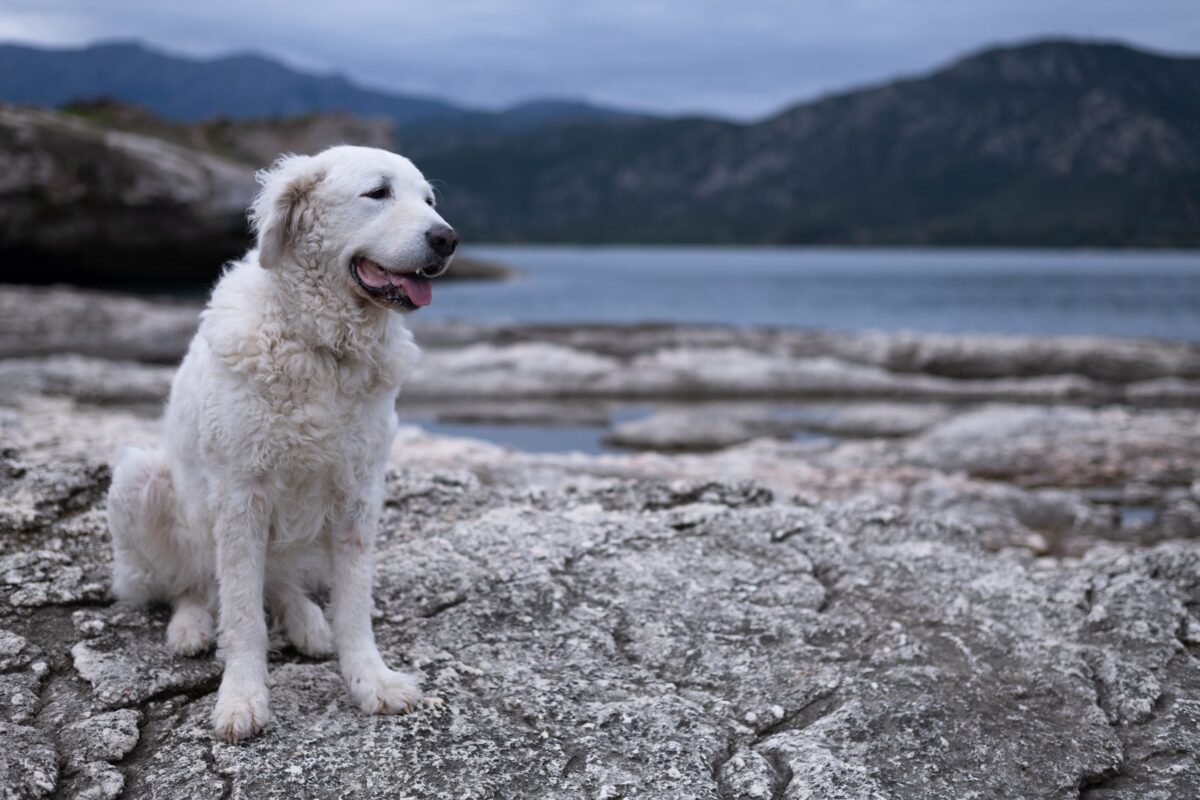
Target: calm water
1128, 293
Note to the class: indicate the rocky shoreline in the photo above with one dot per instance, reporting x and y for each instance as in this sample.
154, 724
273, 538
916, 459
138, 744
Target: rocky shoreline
984, 582
102, 195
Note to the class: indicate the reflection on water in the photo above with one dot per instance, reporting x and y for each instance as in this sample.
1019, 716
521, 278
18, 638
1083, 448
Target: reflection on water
533, 427
571, 427
530, 438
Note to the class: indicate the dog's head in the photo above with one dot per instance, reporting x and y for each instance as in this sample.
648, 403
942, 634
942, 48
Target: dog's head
353, 219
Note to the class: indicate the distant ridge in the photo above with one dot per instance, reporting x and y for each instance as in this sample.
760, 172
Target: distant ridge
1051, 143
239, 86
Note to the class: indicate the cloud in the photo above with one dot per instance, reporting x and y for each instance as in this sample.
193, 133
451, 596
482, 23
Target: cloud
742, 58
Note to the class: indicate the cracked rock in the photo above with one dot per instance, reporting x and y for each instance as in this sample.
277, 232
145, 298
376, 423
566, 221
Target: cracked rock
999, 603
104, 737
128, 662
96, 781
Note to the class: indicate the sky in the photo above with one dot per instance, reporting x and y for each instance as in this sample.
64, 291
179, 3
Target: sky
738, 59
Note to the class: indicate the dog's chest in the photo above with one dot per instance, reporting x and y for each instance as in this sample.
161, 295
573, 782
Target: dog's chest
317, 412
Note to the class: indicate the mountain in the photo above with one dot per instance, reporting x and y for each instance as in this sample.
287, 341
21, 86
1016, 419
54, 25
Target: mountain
1050, 143
1055, 143
240, 87
187, 89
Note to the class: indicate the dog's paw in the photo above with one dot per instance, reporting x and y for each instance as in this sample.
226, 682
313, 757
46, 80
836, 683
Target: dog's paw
190, 631
386, 691
309, 632
239, 713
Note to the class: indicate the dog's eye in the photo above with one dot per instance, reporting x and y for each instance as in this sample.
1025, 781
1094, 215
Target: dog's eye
382, 193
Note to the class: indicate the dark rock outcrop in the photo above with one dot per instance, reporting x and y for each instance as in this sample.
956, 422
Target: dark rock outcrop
83, 204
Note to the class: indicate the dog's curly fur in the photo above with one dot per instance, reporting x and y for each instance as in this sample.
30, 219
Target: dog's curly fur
277, 430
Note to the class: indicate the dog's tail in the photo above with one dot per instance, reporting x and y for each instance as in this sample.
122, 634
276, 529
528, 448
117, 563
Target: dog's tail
141, 519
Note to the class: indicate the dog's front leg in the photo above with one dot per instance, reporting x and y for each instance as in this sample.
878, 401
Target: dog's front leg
241, 532
376, 689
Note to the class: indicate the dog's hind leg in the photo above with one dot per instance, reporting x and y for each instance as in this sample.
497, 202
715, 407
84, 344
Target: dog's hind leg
150, 562
140, 518
191, 630
302, 620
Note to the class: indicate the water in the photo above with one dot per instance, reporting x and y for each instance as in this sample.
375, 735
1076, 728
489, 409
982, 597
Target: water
530, 438
1123, 293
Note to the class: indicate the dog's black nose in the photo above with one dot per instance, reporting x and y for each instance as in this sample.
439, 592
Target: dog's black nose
442, 240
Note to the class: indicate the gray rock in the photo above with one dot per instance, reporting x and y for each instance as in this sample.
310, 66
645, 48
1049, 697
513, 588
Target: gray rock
51, 320
1037, 446
84, 379
103, 737
33, 496
496, 362
96, 781
713, 426
93, 202
870, 420
797, 651
687, 429
126, 660
14, 650
994, 356
28, 763
1001, 603
43, 577
19, 696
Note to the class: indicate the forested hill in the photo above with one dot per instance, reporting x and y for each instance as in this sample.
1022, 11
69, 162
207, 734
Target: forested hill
1051, 143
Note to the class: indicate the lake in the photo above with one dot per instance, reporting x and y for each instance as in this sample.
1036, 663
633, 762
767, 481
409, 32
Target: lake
1121, 293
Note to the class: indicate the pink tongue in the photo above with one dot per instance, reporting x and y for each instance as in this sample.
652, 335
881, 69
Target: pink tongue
418, 289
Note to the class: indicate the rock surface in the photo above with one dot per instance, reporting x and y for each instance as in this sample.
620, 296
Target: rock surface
986, 601
83, 197
109, 196
542, 362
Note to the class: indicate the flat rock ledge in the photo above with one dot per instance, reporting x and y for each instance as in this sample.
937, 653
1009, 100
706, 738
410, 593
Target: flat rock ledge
627, 637
993, 599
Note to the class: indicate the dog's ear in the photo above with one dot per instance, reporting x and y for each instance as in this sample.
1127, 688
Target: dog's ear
278, 211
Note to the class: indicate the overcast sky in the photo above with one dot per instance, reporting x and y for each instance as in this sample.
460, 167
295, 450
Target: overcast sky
740, 58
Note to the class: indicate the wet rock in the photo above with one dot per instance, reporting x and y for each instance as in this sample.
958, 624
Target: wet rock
992, 356
873, 419
680, 430
714, 426
1039, 446
965, 356
539, 369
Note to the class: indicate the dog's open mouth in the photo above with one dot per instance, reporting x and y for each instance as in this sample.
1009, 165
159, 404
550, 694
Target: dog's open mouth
408, 290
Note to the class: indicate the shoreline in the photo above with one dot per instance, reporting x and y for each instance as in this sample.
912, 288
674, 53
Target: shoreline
692, 623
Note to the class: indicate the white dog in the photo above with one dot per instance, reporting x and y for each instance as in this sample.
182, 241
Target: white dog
278, 427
